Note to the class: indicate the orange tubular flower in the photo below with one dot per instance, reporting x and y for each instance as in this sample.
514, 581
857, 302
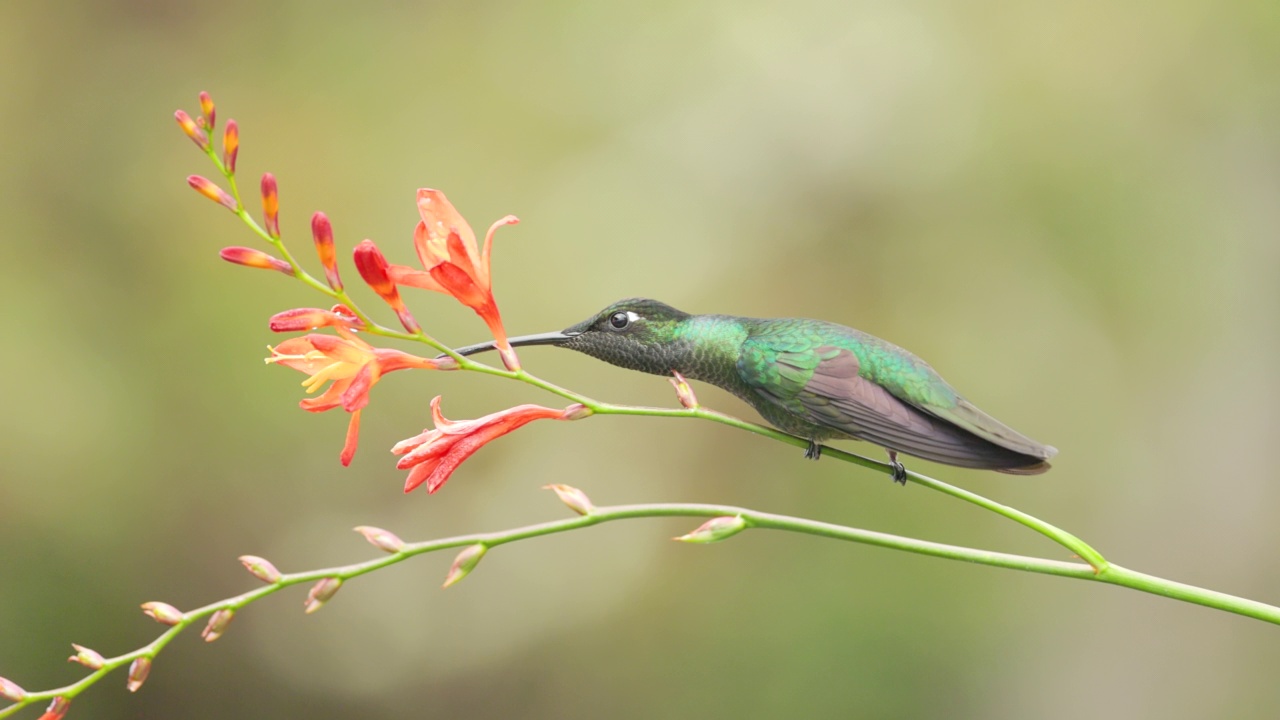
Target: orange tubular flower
432, 456
454, 264
351, 365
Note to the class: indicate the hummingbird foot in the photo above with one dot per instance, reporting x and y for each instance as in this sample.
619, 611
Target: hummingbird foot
814, 451
899, 470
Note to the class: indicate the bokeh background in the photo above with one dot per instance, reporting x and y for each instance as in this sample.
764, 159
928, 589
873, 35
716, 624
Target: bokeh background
1070, 209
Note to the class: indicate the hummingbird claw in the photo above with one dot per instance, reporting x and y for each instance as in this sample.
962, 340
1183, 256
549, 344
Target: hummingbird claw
813, 452
899, 470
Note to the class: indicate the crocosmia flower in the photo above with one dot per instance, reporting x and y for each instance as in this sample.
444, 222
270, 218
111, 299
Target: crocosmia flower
351, 367
432, 456
454, 264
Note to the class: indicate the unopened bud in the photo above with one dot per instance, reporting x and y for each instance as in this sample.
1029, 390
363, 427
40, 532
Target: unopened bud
206, 108
260, 568
138, 673
193, 131
465, 563
372, 266
11, 691
57, 709
207, 188
271, 205
249, 257
230, 146
683, 391
382, 539
577, 411
163, 613
322, 233
91, 659
716, 529
321, 592
218, 624
573, 497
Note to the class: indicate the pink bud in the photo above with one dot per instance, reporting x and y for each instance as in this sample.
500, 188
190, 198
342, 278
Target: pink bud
218, 624
91, 659
57, 709
573, 497
271, 205
464, 563
10, 690
683, 391
322, 233
577, 411
321, 593
163, 613
230, 146
138, 673
260, 568
716, 529
381, 539
250, 257
193, 131
206, 108
207, 188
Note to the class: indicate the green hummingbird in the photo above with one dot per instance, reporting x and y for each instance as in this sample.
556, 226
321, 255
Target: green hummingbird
810, 378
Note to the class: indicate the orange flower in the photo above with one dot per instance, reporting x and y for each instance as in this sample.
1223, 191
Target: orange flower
454, 264
349, 364
432, 456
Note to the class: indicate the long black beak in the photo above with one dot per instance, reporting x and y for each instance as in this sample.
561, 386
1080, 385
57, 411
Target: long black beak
548, 338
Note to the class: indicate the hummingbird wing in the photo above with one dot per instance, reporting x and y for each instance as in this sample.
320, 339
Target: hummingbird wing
825, 385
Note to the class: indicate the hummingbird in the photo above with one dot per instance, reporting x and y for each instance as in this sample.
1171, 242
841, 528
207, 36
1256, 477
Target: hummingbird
814, 379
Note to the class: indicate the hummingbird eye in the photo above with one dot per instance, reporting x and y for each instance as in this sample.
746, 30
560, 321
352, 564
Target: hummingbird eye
620, 320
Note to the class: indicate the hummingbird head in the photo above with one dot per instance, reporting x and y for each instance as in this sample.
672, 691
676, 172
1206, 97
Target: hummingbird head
636, 333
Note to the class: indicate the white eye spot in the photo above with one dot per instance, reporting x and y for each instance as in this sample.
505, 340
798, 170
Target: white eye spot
632, 317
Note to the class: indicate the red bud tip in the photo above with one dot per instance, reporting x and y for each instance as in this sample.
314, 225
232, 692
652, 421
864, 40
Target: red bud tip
91, 659
218, 624
271, 205
193, 131
260, 568
321, 592
465, 563
573, 497
206, 108
163, 613
11, 691
322, 232
382, 539
57, 709
683, 390
138, 673
208, 189
715, 530
255, 259
372, 266
230, 146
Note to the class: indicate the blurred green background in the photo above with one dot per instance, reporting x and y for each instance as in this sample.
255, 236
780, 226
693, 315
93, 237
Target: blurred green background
1069, 209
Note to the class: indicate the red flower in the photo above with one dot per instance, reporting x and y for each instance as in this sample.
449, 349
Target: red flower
454, 264
351, 365
435, 454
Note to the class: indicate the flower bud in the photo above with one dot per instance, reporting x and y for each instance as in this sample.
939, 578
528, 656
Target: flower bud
260, 568
218, 624
193, 131
10, 690
577, 411
163, 613
207, 188
382, 539
271, 205
57, 709
250, 257
91, 659
206, 108
716, 529
138, 673
230, 146
303, 319
321, 592
683, 391
322, 233
372, 266
573, 497
465, 563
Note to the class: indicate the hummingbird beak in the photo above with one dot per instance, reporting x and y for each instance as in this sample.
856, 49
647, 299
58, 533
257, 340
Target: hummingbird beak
548, 338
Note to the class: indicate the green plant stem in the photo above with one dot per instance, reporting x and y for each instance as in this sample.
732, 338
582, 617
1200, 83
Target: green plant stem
1112, 574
